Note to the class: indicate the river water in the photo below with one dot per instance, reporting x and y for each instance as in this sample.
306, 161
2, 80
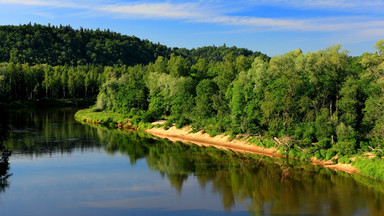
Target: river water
61, 167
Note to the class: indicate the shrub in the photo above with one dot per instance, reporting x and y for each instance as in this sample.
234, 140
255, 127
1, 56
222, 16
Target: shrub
168, 124
344, 159
102, 101
345, 147
182, 121
330, 154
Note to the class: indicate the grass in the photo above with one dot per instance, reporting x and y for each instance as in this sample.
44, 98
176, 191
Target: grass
108, 119
373, 168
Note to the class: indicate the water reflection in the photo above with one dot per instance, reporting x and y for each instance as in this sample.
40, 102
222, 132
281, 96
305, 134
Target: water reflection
265, 186
4, 152
49, 131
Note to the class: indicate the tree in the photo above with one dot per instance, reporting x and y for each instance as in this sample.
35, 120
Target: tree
205, 92
177, 66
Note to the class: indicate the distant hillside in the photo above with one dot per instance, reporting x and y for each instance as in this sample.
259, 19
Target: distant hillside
37, 44
60, 45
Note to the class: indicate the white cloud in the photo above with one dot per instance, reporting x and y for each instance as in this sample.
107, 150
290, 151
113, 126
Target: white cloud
215, 12
155, 10
45, 15
371, 5
43, 3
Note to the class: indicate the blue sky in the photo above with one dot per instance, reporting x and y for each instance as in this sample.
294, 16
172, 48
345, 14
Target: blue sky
271, 26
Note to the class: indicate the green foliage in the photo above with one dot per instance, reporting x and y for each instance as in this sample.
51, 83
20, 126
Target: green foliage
205, 91
330, 154
345, 159
324, 102
321, 154
370, 167
60, 45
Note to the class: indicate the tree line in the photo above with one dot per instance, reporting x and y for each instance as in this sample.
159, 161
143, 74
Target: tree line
63, 45
326, 102
61, 62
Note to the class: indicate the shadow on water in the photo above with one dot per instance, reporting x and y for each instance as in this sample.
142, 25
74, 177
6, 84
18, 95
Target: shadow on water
267, 186
4, 152
49, 131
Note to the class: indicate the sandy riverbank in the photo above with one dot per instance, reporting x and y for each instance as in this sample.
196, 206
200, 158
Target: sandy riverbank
221, 142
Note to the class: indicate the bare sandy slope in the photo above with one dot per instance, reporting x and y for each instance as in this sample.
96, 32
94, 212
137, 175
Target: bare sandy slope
221, 142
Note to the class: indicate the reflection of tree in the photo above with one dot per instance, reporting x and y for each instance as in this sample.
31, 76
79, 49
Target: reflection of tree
4, 167
265, 185
47, 131
4, 153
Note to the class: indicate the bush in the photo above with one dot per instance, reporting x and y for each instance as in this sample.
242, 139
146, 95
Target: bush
330, 154
346, 147
102, 101
168, 124
149, 116
182, 121
321, 154
345, 159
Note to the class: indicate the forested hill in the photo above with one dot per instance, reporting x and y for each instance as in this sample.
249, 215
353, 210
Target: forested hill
63, 45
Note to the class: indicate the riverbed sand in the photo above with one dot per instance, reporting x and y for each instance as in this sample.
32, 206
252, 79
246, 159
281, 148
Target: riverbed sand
237, 145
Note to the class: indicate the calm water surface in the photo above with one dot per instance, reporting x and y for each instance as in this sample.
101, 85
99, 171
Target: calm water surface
61, 167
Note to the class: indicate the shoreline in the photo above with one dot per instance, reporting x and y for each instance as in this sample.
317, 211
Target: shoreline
173, 134
221, 142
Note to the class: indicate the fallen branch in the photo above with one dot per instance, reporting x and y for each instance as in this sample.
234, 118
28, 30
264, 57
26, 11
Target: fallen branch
375, 149
299, 147
318, 148
278, 141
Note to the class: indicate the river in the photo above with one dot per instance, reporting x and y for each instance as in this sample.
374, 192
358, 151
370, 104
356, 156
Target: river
61, 167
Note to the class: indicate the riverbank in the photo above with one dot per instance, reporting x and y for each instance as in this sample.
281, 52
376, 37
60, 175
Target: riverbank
203, 139
361, 165
238, 145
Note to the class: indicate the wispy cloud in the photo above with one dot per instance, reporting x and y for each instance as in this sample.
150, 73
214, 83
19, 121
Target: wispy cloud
45, 15
164, 10
214, 12
373, 5
195, 12
46, 3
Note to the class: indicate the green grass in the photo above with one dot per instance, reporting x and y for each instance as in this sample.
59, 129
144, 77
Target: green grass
373, 168
108, 119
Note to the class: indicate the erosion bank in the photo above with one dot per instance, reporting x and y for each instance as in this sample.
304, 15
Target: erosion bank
203, 139
238, 145
116, 120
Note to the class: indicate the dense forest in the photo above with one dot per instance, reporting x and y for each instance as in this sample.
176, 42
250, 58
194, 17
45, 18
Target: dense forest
60, 62
63, 45
323, 103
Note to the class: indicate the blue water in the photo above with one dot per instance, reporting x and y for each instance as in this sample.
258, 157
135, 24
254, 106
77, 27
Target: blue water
62, 167
92, 182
